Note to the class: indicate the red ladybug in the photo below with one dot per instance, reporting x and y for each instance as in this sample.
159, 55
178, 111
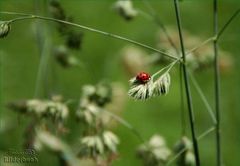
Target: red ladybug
143, 77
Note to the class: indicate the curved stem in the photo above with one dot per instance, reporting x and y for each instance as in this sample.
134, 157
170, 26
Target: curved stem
187, 86
168, 67
92, 30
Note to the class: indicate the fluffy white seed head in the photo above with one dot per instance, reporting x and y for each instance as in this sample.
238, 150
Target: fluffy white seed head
144, 91
140, 91
162, 84
125, 9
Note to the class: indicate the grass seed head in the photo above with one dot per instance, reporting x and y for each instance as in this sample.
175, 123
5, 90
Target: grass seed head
4, 29
125, 9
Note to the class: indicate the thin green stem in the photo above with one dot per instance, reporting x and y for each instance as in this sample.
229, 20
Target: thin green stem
92, 30
176, 156
1, 88
168, 67
203, 97
217, 85
206, 132
200, 45
14, 13
182, 112
227, 23
187, 86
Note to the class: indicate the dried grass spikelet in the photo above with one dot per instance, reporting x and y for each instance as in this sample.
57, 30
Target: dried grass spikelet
93, 101
133, 60
56, 110
161, 85
93, 145
152, 88
56, 10
110, 140
140, 91
155, 151
4, 28
50, 141
187, 157
190, 159
41, 108
125, 9
64, 58
99, 144
157, 141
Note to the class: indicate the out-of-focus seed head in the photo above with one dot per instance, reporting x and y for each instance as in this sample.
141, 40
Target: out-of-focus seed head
125, 9
56, 10
155, 151
100, 94
190, 159
110, 141
184, 146
74, 40
157, 141
61, 54
4, 29
92, 145
184, 143
64, 58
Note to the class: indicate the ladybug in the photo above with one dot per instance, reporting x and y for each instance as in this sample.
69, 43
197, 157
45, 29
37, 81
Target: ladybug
143, 77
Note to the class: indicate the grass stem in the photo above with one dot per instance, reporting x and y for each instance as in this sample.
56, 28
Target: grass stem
227, 23
92, 30
187, 86
217, 84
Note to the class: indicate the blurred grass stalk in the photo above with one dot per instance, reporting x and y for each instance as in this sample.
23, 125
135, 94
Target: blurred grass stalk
217, 85
187, 86
44, 44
